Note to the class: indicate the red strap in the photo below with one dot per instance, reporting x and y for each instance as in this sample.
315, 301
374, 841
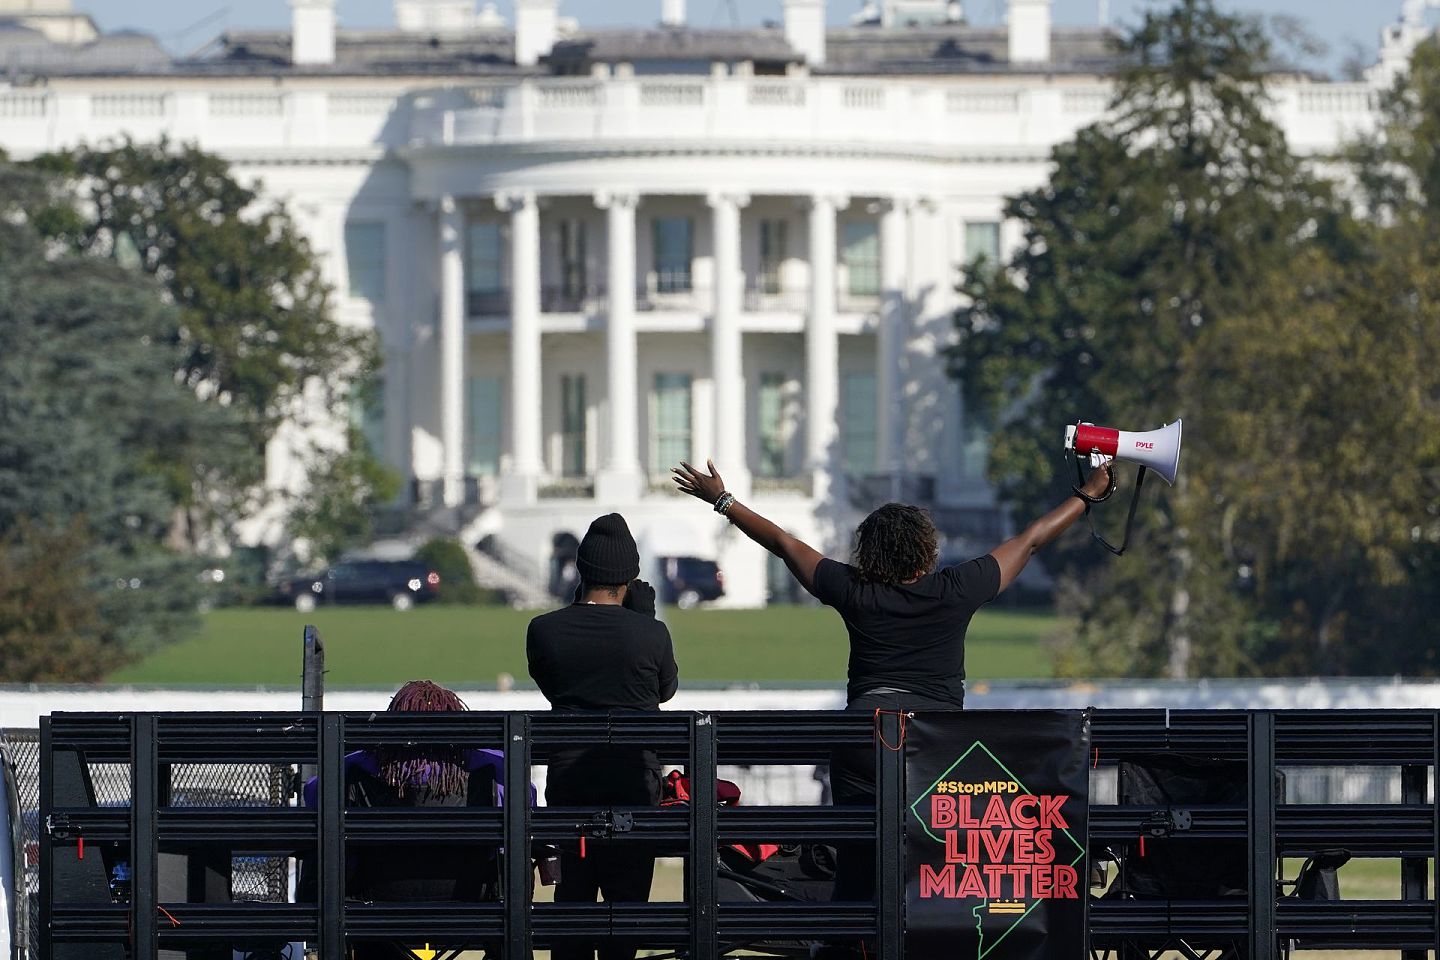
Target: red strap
879, 735
582, 846
80, 848
1142, 844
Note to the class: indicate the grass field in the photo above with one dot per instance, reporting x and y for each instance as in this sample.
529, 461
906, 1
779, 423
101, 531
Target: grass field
459, 645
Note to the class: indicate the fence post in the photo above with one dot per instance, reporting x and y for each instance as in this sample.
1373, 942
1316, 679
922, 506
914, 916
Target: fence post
332, 842
312, 684
704, 852
1413, 869
144, 861
1262, 835
1435, 827
890, 851
46, 885
517, 882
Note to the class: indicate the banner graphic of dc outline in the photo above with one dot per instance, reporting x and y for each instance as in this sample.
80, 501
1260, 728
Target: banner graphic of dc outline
995, 835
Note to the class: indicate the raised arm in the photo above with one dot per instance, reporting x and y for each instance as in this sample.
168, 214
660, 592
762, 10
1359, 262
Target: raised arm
1013, 554
799, 556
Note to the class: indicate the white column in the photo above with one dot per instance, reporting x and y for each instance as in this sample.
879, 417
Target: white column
890, 340
620, 479
726, 343
822, 351
521, 482
452, 350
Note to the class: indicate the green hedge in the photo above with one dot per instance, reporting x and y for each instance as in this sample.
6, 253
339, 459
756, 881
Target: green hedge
457, 579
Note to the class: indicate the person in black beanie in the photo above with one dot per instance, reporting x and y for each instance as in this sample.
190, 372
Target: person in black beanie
606, 651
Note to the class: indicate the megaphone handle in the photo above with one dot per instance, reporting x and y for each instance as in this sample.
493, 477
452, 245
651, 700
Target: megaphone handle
1129, 520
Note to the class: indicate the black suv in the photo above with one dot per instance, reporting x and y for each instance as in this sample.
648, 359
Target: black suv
400, 583
688, 582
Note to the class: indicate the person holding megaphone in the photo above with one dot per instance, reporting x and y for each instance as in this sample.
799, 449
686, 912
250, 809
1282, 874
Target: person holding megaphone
906, 620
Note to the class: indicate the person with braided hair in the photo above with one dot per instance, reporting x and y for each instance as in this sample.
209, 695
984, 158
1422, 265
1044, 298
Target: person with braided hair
906, 620
444, 774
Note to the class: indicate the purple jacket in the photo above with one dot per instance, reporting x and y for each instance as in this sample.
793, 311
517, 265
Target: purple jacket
474, 760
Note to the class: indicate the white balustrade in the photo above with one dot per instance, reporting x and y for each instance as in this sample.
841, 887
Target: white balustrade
363, 104
767, 93
22, 106
247, 104
870, 97
1336, 98
1091, 101
655, 93
128, 105
948, 114
982, 101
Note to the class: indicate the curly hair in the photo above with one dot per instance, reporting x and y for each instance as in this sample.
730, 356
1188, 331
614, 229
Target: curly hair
894, 543
440, 766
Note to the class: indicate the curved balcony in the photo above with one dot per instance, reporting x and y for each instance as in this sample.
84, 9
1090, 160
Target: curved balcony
938, 116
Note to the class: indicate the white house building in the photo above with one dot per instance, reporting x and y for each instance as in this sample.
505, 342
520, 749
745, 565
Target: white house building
590, 254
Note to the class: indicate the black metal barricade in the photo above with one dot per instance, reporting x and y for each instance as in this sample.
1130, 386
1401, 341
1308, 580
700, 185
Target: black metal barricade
85, 912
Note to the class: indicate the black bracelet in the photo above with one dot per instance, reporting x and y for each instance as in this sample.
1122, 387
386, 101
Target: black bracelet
724, 502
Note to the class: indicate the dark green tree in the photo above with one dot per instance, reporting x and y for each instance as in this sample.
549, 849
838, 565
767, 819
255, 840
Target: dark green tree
91, 413
1157, 224
1328, 497
252, 323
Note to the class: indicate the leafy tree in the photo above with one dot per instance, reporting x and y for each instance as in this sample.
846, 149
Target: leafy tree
337, 511
1329, 495
252, 324
90, 414
1157, 224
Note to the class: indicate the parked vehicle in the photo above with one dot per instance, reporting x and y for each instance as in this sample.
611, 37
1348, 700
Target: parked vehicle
687, 582
400, 583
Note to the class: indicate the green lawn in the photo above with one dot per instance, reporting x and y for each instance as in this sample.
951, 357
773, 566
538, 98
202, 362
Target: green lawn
459, 645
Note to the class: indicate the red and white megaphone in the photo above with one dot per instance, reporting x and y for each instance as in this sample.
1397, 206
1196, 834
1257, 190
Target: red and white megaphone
1157, 450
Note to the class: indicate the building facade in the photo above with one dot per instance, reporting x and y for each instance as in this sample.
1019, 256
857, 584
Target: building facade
589, 255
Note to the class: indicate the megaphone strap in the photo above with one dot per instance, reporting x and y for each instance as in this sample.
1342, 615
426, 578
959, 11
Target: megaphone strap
1129, 518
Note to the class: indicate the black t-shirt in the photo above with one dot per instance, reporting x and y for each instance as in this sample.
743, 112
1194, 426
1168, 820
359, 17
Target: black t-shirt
595, 656
909, 636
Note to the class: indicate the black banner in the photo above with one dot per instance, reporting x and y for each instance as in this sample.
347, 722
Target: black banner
995, 835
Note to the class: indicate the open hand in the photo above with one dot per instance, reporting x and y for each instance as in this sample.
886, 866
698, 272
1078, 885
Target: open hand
704, 486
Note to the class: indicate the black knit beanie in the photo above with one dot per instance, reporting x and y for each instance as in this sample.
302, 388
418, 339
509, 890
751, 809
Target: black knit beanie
608, 556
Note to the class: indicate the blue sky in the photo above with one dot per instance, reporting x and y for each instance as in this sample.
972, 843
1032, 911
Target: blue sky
186, 24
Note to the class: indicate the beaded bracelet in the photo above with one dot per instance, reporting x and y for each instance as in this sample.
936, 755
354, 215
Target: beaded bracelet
724, 502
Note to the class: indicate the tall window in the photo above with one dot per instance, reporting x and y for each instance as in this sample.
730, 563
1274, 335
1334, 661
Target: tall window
857, 404
482, 426
365, 260
673, 254
772, 254
485, 276
572, 425
670, 421
572, 259
860, 252
982, 239
770, 411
